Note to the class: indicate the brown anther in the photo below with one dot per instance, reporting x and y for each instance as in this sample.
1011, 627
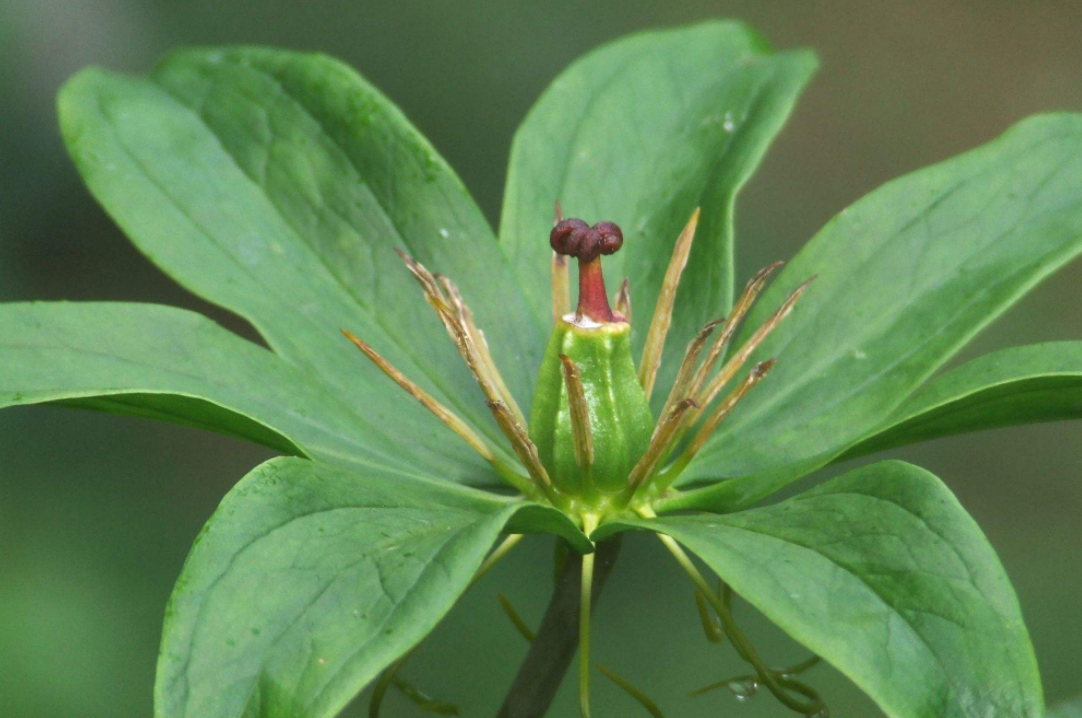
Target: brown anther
574, 238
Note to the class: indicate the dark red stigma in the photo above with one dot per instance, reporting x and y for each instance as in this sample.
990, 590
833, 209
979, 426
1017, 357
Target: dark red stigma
574, 238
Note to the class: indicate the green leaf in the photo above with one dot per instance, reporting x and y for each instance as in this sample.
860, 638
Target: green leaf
1021, 385
170, 364
277, 185
906, 276
882, 573
309, 580
641, 132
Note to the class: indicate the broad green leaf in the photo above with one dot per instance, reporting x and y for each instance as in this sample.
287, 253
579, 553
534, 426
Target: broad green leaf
641, 132
906, 276
170, 364
277, 185
309, 580
882, 573
1021, 385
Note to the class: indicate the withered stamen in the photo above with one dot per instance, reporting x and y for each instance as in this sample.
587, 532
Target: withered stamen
681, 388
448, 417
468, 345
718, 415
582, 435
561, 287
471, 344
475, 339
524, 447
660, 442
623, 300
431, 290
757, 374
662, 319
736, 316
731, 367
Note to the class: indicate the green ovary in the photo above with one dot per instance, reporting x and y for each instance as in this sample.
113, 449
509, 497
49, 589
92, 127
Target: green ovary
620, 419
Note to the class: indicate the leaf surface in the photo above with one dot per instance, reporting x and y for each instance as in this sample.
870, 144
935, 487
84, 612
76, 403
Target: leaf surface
885, 575
906, 276
309, 580
641, 132
277, 185
174, 365
1020, 385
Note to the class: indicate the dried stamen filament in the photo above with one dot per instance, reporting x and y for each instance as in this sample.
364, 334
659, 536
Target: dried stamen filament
468, 342
622, 301
448, 417
736, 362
740, 309
705, 396
718, 415
659, 445
524, 448
561, 287
582, 435
444, 297
662, 319
458, 320
475, 338
681, 388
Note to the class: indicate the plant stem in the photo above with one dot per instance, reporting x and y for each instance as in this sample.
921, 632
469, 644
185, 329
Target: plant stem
776, 686
493, 558
550, 655
588, 525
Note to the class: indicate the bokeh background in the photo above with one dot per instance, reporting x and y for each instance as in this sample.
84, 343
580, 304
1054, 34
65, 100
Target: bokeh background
97, 512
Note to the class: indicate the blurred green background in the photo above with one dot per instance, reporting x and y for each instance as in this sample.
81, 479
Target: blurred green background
97, 512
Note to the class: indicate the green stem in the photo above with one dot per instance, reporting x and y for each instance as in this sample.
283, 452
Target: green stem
516, 620
643, 699
589, 523
732, 631
553, 649
493, 558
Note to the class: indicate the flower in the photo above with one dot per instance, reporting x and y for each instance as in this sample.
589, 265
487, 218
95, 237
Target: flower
277, 184
608, 475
